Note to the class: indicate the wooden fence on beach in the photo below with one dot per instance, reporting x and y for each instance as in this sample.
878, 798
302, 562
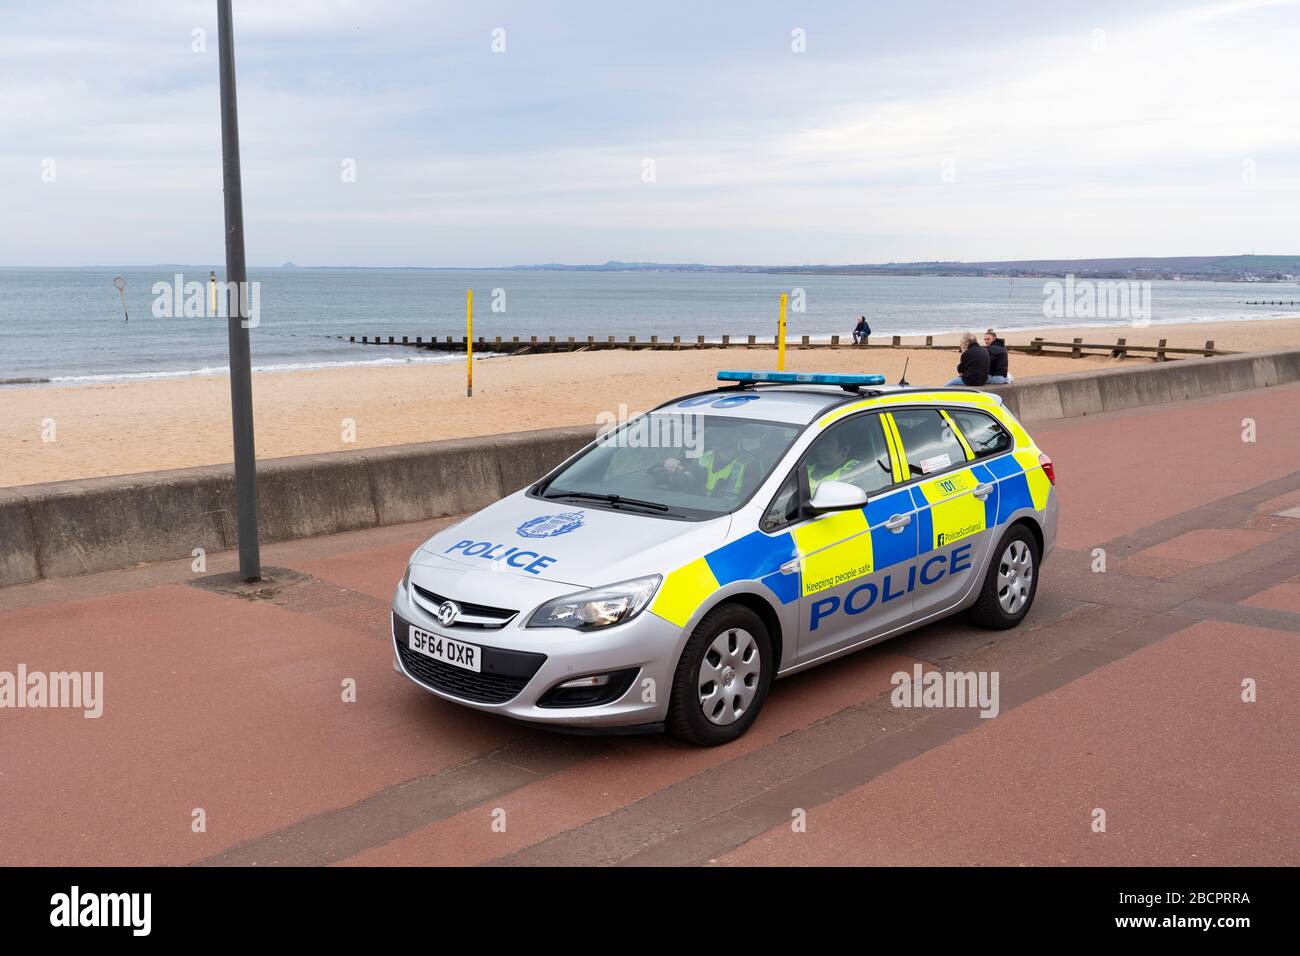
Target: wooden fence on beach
532, 345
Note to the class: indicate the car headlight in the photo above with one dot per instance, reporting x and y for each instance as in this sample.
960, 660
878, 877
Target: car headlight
598, 607
410, 562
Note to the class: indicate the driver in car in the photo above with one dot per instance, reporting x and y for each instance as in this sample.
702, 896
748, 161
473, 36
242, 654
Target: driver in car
721, 469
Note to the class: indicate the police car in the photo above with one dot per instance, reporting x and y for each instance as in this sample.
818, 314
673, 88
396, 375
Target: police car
663, 576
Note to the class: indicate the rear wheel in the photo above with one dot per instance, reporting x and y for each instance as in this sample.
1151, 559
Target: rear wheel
722, 678
1011, 581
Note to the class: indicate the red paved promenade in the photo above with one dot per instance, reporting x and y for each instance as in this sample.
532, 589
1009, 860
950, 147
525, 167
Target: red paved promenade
1121, 692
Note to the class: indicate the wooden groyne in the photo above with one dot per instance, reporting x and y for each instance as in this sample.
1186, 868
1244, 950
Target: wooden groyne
533, 345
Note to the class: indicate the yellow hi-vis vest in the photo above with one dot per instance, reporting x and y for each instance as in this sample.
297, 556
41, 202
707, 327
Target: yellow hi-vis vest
733, 471
829, 476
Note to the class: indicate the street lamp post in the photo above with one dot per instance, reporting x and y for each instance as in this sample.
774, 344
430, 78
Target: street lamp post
241, 376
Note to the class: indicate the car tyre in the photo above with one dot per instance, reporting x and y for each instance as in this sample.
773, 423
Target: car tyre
722, 678
1010, 582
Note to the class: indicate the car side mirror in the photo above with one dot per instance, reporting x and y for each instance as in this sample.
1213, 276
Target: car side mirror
837, 496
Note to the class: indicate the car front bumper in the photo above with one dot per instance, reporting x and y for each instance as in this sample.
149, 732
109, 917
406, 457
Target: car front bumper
520, 665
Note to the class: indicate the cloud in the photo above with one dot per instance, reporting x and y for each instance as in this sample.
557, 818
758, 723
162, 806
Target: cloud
907, 135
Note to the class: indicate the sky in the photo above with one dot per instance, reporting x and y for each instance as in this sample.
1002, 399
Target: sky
385, 133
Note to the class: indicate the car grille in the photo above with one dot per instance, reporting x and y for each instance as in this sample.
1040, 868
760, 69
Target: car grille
483, 688
473, 617
505, 673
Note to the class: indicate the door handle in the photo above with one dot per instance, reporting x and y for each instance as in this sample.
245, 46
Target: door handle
790, 567
898, 522
984, 490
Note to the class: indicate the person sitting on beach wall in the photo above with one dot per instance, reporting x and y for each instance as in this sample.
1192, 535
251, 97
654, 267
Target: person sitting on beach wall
973, 369
999, 359
861, 331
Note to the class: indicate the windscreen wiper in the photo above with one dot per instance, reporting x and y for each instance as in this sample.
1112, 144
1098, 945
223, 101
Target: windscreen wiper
614, 500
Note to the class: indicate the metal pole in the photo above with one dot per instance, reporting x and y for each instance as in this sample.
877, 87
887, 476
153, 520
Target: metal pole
469, 343
241, 376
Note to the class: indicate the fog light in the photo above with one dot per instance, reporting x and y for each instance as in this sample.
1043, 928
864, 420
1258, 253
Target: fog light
590, 690
595, 680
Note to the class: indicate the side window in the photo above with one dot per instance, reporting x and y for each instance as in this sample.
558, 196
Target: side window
928, 441
853, 451
784, 507
983, 433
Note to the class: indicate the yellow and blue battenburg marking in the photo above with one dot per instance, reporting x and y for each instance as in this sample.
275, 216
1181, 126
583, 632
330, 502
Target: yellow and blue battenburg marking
835, 548
1022, 481
952, 509
684, 590
843, 546
755, 557
759, 557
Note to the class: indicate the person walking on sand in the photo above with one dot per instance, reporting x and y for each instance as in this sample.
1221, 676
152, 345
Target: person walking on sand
861, 331
999, 359
973, 368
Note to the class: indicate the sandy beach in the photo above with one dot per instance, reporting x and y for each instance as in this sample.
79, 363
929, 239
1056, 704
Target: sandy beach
146, 425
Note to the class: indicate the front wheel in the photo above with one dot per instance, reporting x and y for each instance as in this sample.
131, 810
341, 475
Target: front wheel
722, 678
1011, 581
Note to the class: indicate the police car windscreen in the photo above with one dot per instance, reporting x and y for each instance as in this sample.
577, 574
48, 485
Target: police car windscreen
693, 466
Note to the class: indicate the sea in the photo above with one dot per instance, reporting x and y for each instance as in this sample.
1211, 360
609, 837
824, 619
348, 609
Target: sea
69, 325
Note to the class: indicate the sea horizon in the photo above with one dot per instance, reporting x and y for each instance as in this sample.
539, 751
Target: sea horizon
67, 325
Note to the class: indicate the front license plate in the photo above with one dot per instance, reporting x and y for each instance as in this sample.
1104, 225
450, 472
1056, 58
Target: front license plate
455, 653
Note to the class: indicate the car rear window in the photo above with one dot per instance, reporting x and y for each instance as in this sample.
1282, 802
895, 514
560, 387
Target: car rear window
928, 441
982, 432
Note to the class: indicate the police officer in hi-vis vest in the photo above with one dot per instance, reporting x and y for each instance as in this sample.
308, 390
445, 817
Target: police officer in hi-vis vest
721, 469
830, 461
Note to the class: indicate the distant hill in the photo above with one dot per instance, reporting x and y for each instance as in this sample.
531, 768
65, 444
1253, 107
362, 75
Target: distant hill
1233, 268
1218, 265
1212, 267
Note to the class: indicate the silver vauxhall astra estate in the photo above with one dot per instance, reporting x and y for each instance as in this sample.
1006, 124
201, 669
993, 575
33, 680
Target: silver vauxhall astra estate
665, 574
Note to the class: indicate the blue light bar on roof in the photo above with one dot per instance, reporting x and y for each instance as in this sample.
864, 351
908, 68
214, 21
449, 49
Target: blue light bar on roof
802, 378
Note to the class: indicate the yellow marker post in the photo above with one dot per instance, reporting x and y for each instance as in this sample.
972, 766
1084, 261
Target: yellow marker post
780, 336
469, 343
